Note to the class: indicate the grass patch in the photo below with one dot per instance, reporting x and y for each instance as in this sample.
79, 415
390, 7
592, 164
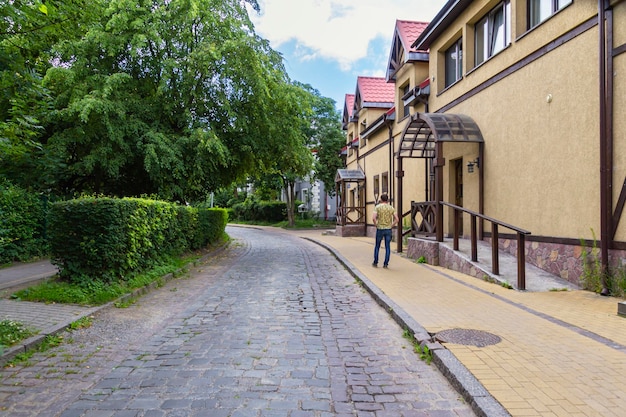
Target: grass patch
12, 332
48, 343
97, 292
594, 278
422, 350
82, 323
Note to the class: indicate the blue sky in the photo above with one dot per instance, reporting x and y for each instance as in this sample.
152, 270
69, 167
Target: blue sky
327, 44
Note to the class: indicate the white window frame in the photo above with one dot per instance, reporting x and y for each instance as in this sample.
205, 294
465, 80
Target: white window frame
406, 109
492, 33
540, 10
455, 52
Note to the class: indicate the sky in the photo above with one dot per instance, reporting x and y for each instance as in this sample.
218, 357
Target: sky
328, 44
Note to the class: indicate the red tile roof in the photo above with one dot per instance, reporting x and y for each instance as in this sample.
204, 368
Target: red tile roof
349, 104
409, 31
375, 90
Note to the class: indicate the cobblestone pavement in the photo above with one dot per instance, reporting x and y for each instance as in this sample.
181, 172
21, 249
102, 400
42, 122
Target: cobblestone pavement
272, 326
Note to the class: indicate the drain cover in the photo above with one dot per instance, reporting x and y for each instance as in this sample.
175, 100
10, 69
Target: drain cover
472, 337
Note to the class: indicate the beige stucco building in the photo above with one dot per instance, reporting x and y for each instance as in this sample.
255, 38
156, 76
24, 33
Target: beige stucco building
546, 101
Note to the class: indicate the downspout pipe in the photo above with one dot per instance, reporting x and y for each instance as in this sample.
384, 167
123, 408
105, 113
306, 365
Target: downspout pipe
605, 152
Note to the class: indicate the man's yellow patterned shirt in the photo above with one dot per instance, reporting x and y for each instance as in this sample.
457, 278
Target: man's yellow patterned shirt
384, 216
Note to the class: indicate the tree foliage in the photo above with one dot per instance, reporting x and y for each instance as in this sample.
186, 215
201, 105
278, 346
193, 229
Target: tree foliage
327, 138
28, 29
130, 97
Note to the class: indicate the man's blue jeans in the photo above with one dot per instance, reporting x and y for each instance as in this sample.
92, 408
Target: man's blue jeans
380, 235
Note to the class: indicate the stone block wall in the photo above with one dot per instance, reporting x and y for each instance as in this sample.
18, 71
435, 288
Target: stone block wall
350, 230
562, 260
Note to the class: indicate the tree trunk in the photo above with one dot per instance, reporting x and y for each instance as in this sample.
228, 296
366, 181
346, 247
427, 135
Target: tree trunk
290, 192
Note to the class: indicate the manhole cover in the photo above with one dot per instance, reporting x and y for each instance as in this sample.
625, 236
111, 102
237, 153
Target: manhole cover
467, 337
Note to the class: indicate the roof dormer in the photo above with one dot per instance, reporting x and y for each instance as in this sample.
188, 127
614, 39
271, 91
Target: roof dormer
402, 51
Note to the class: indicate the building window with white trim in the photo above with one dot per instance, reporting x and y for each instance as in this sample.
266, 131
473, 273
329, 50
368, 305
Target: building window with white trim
540, 10
406, 110
454, 62
493, 32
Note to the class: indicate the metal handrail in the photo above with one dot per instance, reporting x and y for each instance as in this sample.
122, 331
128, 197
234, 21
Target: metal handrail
495, 261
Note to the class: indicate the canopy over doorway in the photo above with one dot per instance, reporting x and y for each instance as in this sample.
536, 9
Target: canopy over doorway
350, 190
423, 137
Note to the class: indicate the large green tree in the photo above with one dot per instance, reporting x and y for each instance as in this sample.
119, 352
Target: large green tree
28, 29
169, 98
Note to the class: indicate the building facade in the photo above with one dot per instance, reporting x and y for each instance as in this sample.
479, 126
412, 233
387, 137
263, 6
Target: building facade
539, 80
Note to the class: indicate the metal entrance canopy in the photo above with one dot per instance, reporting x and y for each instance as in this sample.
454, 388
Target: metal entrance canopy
424, 130
349, 175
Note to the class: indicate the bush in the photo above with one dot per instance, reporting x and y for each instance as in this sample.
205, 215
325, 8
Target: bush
110, 239
254, 210
212, 223
22, 216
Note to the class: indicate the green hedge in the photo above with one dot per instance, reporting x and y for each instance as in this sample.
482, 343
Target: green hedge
110, 239
22, 216
253, 210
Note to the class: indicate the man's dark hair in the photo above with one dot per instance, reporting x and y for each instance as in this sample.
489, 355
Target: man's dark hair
384, 197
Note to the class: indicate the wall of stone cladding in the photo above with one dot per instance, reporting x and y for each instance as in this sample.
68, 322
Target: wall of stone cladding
448, 258
565, 261
441, 255
416, 248
350, 230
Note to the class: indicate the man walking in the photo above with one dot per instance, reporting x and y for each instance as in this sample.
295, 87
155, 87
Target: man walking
385, 219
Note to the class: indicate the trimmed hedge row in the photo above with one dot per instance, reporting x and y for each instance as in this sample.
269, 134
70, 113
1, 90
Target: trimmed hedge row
22, 217
108, 239
251, 210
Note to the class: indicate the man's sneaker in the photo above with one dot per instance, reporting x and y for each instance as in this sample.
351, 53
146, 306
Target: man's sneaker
385, 266
375, 265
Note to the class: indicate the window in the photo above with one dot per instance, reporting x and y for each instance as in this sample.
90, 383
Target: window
350, 140
540, 10
385, 182
376, 187
405, 90
454, 63
493, 32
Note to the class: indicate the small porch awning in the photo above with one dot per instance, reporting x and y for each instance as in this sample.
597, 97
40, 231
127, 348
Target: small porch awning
349, 175
424, 130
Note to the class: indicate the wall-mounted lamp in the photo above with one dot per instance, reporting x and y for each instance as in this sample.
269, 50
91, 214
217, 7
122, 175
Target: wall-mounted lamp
470, 165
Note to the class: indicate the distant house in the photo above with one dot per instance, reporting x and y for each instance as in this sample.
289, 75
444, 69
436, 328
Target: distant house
512, 109
315, 201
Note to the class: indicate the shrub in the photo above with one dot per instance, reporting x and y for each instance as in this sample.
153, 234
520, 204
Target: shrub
255, 210
110, 239
22, 215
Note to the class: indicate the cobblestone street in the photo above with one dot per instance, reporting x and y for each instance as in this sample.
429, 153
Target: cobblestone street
272, 326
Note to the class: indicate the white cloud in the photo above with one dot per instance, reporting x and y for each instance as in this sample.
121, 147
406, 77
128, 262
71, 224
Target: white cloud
336, 30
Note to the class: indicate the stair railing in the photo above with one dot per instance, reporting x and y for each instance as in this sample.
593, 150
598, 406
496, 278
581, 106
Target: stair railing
427, 227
